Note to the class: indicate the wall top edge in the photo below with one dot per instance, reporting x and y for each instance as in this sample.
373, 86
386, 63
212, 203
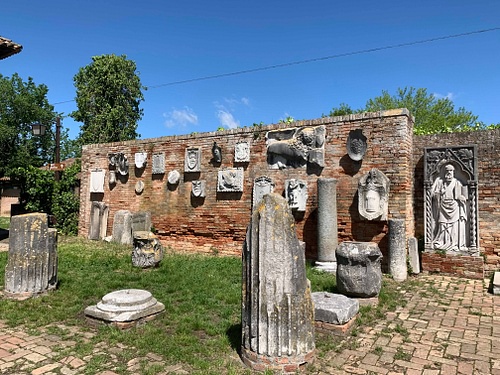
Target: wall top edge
265, 127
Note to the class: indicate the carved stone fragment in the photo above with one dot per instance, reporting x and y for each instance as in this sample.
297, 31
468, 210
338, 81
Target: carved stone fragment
296, 194
356, 145
32, 260
140, 159
296, 147
261, 186
373, 195
230, 180
173, 177
192, 161
122, 227
148, 251
242, 152
158, 163
277, 309
198, 188
98, 220
97, 180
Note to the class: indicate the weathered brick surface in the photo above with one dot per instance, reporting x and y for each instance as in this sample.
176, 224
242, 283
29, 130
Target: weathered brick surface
218, 223
488, 153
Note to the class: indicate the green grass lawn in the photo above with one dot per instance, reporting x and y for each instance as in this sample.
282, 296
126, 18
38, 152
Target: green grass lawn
201, 326
4, 222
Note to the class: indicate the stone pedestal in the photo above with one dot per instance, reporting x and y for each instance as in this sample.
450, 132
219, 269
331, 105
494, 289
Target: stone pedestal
277, 310
148, 251
32, 263
359, 272
125, 308
397, 250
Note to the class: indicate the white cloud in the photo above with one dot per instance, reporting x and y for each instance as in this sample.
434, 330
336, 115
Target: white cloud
180, 117
450, 96
227, 119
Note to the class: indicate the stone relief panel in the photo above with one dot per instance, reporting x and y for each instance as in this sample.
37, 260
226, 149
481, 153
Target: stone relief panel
373, 195
119, 161
158, 163
296, 194
173, 177
99, 212
140, 159
296, 147
230, 180
242, 152
356, 145
261, 186
216, 153
451, 205
192, 161
97, 181
198, 188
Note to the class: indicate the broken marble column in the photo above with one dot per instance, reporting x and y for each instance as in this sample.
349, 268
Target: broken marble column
327, 224
148, 251
413, 256
359, 272
32, 263
277, 309
397, 250
122, 227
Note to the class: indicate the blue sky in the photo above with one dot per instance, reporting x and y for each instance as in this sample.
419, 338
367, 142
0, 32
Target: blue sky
173, 41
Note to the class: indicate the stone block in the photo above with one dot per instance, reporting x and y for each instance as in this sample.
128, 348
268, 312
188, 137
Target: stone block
334, 308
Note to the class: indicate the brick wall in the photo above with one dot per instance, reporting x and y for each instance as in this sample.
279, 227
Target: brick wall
488, 154
219, 221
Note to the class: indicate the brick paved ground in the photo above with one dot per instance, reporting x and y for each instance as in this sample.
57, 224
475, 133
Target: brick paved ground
448, 327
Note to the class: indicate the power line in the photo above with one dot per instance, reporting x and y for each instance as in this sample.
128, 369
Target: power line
307, 61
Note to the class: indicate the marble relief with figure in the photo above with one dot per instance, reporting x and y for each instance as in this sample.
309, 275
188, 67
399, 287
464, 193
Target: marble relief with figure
230, 180
373, 195
242, 152
296, 194
451, 200
192, 161
261, 186
296, 147
198, 188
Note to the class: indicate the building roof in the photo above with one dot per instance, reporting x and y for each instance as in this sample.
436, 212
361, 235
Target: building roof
8, 48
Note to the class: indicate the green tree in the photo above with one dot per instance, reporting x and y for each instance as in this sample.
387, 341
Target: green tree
108, 95
432, 114
21, 104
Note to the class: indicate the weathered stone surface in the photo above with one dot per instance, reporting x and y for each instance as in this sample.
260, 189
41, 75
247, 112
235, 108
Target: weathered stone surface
124, 306
413, 255
148, 251
327, 220
359, 272
334, 308
496, 283
277, 310
32, 263
397, 250
122, 227
141, 221
98, 220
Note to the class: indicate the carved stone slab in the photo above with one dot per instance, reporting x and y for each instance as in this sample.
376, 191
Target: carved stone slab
140, 159
230, 180
119, 161
373, 195
158, 163
192, 161
148, 251
451, 200
356, 145
261, 186
97, 181
296, 147
98, 220
198, 188
296, 194
242, 152
334, 308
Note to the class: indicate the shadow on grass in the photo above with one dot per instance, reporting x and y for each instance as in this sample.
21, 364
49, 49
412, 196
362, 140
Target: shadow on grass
233, 333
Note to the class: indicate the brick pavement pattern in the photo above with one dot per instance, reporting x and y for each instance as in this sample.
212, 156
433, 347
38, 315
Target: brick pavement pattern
447, 327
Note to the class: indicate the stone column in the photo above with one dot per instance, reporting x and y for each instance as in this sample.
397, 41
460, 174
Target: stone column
397, 249
32, 262
277, 309
327, 224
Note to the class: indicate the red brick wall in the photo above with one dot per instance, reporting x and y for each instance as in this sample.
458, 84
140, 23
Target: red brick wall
488, 154
219, 223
